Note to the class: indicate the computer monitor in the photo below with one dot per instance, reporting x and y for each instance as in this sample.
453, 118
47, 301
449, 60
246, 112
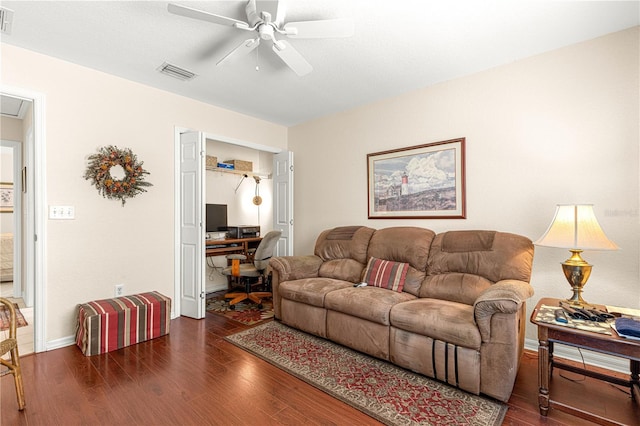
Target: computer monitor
216, 217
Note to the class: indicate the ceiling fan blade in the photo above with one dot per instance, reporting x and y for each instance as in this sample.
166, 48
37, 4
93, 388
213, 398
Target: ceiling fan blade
252, 13
281, 11
292, 57
188, 12
330, 28
243, 49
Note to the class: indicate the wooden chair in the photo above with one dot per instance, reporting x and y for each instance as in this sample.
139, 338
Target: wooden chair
10, 345
256, 269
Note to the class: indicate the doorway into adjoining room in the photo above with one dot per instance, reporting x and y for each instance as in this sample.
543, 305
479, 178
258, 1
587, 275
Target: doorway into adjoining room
193, 192
245, 192
16, 284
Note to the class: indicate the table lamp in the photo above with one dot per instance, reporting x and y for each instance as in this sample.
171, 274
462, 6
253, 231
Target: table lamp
576, 228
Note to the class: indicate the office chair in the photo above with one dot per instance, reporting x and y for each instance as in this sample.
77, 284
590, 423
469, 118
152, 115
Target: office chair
11, 345
255, 269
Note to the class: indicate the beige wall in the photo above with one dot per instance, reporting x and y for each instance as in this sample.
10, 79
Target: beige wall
561, 127
108, 244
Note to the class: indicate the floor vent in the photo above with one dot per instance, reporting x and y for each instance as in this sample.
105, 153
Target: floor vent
6, 20
176, 72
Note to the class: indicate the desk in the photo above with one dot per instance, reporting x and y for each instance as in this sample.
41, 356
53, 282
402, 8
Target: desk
231, 246
615, 345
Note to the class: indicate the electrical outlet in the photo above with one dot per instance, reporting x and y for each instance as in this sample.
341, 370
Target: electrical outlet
119, 291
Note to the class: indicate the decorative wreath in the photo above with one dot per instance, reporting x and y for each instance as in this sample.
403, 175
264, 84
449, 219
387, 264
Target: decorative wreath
99, 173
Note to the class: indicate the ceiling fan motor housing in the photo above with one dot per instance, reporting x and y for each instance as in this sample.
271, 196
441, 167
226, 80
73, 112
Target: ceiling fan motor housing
266, 32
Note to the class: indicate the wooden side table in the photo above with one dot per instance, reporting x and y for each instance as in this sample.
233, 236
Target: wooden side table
550, 333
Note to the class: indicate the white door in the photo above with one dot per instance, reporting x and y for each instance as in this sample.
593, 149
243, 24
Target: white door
283, 201
192, 295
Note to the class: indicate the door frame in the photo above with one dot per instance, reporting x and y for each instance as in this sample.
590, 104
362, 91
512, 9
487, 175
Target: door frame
34, 227
177, 291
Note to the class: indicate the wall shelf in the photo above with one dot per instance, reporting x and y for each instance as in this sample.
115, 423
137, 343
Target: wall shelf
238, 172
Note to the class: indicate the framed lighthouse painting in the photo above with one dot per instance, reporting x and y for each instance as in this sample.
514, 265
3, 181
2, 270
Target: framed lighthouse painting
418, 182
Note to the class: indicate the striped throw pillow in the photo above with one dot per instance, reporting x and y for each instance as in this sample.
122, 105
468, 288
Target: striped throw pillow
385, 274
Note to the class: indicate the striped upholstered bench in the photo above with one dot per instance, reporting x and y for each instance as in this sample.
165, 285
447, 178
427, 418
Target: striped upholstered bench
111, 324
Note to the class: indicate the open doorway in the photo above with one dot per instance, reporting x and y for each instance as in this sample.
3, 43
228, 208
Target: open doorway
237, 191
23, 171
190, 200
16, 116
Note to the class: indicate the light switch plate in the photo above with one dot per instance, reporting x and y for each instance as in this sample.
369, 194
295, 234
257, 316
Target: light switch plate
62, 212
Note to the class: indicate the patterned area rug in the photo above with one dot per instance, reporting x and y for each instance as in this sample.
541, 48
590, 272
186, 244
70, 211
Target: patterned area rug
4, 317
245, 312
385, 392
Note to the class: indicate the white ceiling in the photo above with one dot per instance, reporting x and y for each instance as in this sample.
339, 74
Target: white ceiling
399, 46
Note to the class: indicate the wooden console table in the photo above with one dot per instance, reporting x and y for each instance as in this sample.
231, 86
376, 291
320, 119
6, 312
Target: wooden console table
614, 345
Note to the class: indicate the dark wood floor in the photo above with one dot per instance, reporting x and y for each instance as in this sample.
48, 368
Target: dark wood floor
193, 376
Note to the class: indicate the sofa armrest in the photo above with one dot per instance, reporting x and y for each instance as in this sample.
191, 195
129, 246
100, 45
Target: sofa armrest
503, 297
296, 267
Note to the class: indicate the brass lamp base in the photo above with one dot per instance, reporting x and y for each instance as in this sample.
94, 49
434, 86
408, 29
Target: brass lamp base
577, 272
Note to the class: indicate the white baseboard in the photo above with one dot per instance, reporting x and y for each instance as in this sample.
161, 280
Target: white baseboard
60, 343
590, 357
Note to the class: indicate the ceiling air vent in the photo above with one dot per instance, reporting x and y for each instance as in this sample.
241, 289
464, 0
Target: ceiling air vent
176, 72
6, 20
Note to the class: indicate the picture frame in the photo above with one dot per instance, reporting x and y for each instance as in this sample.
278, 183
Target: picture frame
418, 182
6, 197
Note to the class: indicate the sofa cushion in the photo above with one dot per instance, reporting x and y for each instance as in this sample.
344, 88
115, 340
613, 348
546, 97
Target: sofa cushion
345, 242
463, 264
456, 287
342, 269
311, 291
465, 241
385, 274
493, 255
439, 319
344, 252
370, 303
405, 244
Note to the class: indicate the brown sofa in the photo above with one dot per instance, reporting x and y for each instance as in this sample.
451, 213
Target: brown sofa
460, 314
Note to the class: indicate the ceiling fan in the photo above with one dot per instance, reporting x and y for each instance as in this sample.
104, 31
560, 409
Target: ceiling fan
267, 29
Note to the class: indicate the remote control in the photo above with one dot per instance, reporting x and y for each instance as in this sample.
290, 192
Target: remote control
561, 316
360, 285
589, 315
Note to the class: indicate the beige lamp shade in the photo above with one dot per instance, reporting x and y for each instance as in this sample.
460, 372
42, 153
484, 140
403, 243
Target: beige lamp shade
575, 226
